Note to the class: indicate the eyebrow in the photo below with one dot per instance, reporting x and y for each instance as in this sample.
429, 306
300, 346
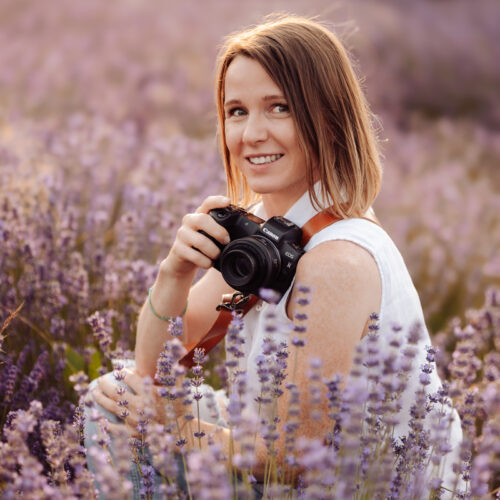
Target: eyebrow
271, 97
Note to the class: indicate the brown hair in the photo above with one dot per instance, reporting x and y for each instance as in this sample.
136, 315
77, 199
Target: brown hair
331, 114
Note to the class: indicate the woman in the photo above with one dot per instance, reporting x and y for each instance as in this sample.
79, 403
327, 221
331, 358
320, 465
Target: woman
296, 138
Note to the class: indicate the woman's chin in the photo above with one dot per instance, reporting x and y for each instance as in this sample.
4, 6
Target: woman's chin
261, 190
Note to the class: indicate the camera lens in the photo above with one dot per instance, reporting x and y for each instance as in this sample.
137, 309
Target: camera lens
243, 266
250, 263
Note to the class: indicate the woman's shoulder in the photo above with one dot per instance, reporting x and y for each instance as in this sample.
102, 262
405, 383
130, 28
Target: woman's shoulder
339, 269
346, 288
365, 232
336, 256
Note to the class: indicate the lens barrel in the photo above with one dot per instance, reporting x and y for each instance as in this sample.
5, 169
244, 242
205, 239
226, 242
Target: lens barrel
250, 263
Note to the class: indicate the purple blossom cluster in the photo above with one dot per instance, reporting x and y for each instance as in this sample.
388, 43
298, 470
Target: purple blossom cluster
359, 455
104, 147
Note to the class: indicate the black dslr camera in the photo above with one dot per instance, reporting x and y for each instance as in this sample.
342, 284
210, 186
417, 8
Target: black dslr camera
261, 254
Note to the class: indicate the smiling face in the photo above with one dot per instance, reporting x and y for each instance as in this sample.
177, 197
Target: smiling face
261, 135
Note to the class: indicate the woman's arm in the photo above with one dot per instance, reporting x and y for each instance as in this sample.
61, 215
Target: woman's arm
346, 289
172, 289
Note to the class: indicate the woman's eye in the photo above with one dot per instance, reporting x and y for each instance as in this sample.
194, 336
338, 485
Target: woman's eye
281, 108
235, 112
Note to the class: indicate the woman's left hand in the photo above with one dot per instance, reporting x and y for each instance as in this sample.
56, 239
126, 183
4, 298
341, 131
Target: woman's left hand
145, 404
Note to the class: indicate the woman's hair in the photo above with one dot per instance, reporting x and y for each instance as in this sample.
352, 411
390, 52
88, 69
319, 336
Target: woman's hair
330, 112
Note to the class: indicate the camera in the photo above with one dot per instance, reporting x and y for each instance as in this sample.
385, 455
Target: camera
261, 254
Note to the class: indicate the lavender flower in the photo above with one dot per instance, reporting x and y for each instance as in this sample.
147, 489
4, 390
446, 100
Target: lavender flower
10, 382
315, 388
176, 327
172, 353
198, 358
334, 405
291, 425
234, 342
106, 475
486, 462
300, 325
101, 328
207, 475
318, 463
269, 295
161, 444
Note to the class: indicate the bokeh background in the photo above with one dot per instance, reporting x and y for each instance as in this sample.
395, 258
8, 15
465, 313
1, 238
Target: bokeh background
107, 137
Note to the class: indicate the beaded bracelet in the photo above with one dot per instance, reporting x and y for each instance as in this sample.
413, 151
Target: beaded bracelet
159, 316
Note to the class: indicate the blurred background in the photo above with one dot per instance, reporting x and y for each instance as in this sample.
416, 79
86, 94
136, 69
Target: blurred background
107, 126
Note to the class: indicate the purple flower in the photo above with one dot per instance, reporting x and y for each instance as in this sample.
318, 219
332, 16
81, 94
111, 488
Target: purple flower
199, 356
81, 383
315, 388
234, 342
269, 295
147, 478
162, 445
102, 330
176, 327
10, 382
208, 475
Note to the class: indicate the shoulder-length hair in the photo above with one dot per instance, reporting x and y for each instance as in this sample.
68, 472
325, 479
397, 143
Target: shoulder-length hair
331, 115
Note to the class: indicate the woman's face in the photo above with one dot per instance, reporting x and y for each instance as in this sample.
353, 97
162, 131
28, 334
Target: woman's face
261, 135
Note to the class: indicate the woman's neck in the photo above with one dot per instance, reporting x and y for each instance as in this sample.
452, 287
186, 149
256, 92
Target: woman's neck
274, 205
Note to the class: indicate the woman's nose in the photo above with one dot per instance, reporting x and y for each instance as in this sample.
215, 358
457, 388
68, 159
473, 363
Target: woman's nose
256, 129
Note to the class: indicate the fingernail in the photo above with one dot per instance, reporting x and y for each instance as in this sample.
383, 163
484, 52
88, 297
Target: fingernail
227, 239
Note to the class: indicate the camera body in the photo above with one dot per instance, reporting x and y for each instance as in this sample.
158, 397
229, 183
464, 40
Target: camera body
261, 254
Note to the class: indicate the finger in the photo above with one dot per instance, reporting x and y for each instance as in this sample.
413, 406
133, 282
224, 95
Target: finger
212, 202
200, 241
118, 429
202, 222
132, 430
215, 230
106, 402
132, 420
112, 389
134, 381
188, 253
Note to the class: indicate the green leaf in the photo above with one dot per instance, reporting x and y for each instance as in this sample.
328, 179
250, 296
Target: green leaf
74, 362
95, 363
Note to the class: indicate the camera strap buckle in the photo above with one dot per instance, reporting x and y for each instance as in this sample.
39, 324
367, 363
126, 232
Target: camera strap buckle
233, 302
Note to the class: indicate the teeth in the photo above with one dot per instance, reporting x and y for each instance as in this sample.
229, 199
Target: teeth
260, 160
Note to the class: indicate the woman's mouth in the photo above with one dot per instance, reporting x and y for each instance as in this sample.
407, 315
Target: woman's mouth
264, 159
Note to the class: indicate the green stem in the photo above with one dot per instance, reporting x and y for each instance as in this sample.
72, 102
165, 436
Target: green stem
183, 459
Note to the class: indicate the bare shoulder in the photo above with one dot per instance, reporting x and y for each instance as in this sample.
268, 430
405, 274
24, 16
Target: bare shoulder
339, 258
346, 288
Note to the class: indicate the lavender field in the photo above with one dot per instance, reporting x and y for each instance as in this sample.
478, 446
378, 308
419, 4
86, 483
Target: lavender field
107, 138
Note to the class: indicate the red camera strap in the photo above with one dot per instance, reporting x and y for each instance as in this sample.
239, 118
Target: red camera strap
243, 303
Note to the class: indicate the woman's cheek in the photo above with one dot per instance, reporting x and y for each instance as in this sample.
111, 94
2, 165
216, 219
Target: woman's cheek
232, 138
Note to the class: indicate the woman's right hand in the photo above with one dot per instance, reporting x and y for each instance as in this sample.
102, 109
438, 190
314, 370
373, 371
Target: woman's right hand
192, 249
